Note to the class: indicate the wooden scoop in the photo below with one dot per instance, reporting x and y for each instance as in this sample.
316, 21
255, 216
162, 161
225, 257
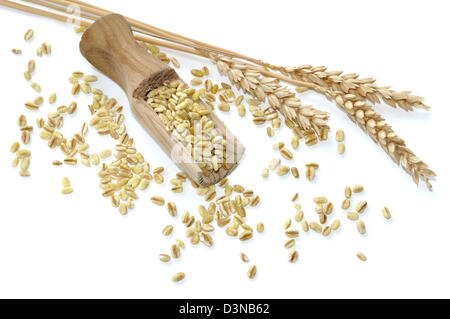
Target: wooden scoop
109, 45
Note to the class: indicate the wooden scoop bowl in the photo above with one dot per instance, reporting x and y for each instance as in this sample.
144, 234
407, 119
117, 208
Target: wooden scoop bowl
109, 45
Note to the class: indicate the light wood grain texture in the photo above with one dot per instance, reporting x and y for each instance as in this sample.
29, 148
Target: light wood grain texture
109, 45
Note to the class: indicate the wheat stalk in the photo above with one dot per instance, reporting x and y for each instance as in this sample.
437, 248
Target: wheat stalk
365, 88
280, 98
382, 133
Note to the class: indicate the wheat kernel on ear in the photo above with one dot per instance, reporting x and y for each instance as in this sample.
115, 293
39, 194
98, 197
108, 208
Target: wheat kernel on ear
361, 256
28, 35
164, 258
293, 256
178, 276
361, 206
251, 273
386, 213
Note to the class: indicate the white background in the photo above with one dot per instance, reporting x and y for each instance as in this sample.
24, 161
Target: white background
79, 246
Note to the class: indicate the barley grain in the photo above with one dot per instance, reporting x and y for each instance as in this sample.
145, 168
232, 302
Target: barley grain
245, 235
341, 148
346, 204
386, 212
31, 66
66, 190
305, 226
361, 227
361, 256
340, 136
175, 251
196, 81
14, 147
265, 172
326, 231
361, 206
157, 200
293, 256
291, 233
28, 35
36, 87
167, 231
251, 273
27, 75
260, 227
352, 216
164, 258
335, 224
299, 216
15, 162
172, 209
282, 170
287, 154
75, 89
178, 276
197, 73
294, 197
244, 257
316, 227
294, 172
310, 173
25, 137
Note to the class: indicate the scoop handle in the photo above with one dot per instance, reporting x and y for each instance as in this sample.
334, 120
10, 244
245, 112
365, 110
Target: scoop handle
109, 45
